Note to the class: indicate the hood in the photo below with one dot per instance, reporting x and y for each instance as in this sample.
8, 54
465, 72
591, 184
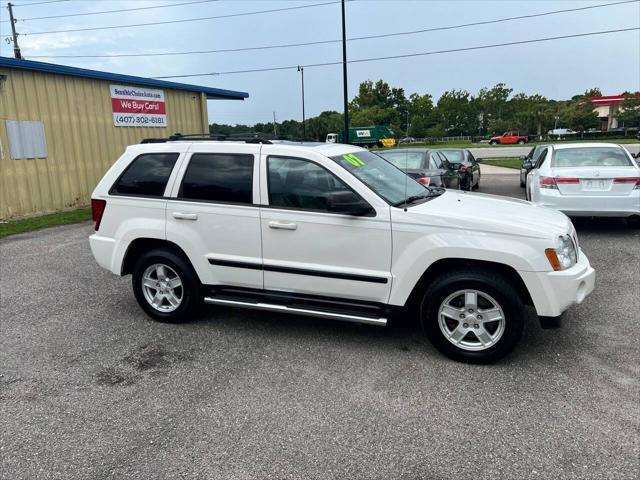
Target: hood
491, 213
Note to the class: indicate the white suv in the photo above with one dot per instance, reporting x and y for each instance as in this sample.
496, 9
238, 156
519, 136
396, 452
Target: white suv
333, 231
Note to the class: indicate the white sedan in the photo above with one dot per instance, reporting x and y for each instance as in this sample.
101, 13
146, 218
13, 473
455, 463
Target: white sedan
586, 180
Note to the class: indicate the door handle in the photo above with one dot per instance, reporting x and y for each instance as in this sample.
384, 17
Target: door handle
283, 225
185, 216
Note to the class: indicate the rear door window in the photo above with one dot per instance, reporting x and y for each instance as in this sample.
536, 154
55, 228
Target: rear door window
146, 176
218, 177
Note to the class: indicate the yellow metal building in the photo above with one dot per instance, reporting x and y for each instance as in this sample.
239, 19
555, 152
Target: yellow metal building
58, 132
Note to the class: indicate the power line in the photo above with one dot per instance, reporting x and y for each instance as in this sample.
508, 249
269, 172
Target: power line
112, 11
38, 3
323, 42
390, 57
167, 22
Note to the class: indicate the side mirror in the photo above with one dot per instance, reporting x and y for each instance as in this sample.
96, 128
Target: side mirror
527, 165
347, 203
523, 158
478, 160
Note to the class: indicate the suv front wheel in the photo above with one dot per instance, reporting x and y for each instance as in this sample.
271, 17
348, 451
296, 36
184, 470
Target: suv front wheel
472, 316
166, 287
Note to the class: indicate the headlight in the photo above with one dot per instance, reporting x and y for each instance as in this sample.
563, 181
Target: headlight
565, 255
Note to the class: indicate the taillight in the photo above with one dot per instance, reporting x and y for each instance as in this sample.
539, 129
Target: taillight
424, 181
552, 182
548, 182
635, 180
462, 168
97, 209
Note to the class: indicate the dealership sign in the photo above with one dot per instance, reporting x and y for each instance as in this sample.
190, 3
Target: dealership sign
137, 107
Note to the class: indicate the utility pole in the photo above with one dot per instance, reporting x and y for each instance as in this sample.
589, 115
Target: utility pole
345, 138
407, 123
275, 129
304, 127
16, 47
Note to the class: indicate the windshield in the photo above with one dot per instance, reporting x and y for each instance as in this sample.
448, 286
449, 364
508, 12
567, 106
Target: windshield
404, 160
591, 157
380, 176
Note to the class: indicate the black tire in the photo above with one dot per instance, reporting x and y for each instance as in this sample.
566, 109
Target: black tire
522, 184
487, 283
633, 222
521, 142
191, 290
477, 185
493, 142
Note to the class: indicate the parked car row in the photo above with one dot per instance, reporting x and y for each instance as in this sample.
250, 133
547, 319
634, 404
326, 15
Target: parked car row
447, 167
586, 179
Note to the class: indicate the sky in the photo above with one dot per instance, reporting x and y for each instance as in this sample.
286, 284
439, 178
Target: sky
556, 69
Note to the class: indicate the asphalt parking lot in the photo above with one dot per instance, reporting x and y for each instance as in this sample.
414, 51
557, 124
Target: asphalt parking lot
91, 388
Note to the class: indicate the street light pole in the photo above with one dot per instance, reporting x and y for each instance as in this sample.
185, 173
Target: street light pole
14, 34
345, 138
304, 127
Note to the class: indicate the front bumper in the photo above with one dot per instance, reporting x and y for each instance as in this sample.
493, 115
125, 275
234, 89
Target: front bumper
591, 205
554, 292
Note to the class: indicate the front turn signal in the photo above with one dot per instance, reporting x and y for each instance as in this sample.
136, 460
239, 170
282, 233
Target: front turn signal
552, 256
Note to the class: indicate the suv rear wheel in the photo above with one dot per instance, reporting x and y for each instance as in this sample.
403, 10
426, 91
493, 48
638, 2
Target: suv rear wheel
166, 287
472, 316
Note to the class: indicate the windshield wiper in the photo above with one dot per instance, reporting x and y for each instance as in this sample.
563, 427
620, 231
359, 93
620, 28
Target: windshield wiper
430, 192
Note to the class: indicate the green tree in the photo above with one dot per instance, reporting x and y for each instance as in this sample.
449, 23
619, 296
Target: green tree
532, 113
421, 114
379, 104
592, 92
456, 113
579, 115
629, 110
491, 105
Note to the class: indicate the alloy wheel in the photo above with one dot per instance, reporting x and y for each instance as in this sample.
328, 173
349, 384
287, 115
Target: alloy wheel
162, 287
471, 320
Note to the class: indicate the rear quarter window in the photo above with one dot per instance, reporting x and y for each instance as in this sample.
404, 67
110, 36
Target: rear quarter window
146, 176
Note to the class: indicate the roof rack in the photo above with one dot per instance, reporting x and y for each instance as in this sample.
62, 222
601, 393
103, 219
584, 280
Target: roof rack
192, 137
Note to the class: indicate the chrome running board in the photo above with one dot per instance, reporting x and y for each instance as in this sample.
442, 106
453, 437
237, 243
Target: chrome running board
300, 311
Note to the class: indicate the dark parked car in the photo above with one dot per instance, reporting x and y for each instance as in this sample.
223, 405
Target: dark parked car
529, 162
465, 164
428, 166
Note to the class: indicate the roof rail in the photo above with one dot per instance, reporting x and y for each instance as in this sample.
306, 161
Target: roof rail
192, 137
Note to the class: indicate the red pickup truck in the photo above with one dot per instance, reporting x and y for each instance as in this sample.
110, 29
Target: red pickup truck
512, 136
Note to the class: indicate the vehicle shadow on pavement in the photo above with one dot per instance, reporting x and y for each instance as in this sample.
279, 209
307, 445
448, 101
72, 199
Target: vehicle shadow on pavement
603, 225
403, 333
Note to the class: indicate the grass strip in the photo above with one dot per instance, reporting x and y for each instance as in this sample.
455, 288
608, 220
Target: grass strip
23, 225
